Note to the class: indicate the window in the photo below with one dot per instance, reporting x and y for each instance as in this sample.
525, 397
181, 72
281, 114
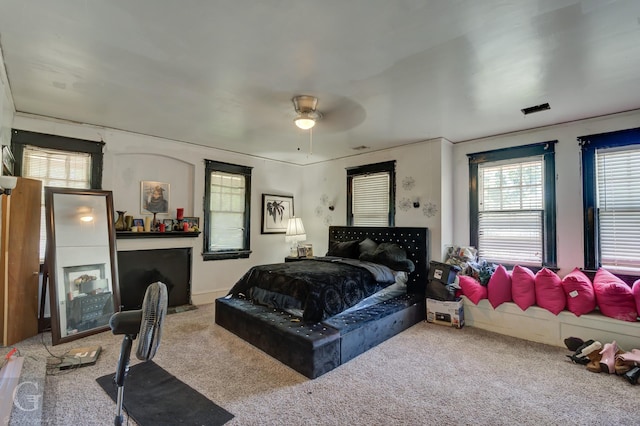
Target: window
611, 197
227, 211
512, 205
371, 194
57, 161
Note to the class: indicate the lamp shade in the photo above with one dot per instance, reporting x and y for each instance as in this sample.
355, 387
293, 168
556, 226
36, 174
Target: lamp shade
295, 230
305, 121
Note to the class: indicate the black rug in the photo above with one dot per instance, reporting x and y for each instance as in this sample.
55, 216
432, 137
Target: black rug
152, 396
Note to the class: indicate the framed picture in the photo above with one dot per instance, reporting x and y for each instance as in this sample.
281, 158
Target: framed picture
138, 222
84, 279
154, 197
276, 211
194, 222
168, 224
302, 251
308, 250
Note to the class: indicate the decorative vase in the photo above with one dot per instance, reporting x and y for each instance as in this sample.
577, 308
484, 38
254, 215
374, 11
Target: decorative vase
120, 225
128, 223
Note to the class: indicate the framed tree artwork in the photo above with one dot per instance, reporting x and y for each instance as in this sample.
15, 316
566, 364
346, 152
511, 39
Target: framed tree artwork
276, 211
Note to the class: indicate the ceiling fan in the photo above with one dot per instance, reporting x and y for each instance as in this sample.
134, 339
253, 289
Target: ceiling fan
306, 115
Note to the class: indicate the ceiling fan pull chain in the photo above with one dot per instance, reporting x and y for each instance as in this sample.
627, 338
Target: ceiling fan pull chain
311, 141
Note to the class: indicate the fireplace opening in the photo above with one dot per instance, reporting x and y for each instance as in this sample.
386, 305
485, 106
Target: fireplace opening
139, 268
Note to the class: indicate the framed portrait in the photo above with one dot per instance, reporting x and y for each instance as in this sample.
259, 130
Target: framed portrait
276, 211
154, 197
168, 224
138, 222
194, 222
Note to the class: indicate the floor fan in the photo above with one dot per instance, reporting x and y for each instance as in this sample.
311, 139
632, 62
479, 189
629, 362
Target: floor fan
146, 324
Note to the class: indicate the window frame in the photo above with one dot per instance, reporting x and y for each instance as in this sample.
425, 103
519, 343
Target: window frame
219, 166
21, 138
386, 166
547, 151
588, 146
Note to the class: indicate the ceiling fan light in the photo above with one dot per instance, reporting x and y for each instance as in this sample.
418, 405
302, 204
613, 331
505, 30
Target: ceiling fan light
305, 121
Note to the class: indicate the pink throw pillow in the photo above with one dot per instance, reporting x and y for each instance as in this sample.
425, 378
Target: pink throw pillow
472, 288
635, 290
614, 296
523, 290
549, 292
581, 299
499, 287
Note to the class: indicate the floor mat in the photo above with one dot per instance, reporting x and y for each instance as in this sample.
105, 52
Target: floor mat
152, 396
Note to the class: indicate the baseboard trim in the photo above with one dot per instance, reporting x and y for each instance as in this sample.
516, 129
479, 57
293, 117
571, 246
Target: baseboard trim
208, 297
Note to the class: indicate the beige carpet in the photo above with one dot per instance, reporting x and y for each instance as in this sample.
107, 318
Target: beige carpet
429, 374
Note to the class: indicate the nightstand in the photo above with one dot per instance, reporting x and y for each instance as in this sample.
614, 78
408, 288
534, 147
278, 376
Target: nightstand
293, 259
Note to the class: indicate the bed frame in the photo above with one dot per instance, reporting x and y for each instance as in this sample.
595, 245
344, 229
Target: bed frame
313, 349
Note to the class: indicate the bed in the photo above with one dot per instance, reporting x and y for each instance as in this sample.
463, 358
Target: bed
350, 320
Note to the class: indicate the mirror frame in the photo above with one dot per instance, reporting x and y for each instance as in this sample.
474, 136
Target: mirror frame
51, 261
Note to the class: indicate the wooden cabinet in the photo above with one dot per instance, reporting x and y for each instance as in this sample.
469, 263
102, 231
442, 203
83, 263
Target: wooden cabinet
20, 261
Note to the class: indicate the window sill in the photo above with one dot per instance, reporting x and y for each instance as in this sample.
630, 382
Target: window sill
239, 254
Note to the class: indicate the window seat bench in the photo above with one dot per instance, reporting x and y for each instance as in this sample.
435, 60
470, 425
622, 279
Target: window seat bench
539, 325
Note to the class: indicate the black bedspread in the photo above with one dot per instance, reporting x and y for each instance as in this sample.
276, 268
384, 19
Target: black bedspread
322, 288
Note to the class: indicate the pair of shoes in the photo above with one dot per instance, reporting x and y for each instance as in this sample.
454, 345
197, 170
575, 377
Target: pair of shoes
573, 343
608, 357
593, 353
578, 357
633, 375
625, 361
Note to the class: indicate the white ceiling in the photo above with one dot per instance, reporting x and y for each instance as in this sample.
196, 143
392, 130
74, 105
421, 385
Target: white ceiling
386, 73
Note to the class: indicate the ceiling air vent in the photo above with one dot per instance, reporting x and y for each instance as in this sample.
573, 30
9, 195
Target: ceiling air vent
537, 108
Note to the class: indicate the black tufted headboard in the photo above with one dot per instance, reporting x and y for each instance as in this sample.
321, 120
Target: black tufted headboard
415, 241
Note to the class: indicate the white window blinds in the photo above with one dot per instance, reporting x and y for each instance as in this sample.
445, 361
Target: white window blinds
618, 202
370, 199
227, 209
510, 211
55, 168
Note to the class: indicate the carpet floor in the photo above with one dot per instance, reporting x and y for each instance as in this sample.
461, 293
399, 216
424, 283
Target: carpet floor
427, 374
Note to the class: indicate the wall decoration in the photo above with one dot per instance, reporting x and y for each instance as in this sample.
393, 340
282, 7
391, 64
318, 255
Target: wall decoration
318, 211
154, 197
276, 211
405, 204
408, 183
328, 220
193, 223
429, 209
324, 199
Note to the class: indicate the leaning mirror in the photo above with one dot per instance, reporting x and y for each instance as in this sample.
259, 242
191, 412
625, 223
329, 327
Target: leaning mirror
80, 262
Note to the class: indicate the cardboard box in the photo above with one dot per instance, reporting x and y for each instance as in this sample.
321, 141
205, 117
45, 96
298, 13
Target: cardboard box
445, 313
442, 272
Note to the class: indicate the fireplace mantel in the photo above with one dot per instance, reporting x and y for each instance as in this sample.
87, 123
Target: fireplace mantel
171, 234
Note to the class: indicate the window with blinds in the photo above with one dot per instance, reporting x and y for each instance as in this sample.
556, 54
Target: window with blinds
55, 168
511, 211
227, 202
618, 206
371, 200
226, 211
371, 195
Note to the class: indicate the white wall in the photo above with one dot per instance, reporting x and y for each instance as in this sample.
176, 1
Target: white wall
568, 178
7, 109
426, 162
129, 158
